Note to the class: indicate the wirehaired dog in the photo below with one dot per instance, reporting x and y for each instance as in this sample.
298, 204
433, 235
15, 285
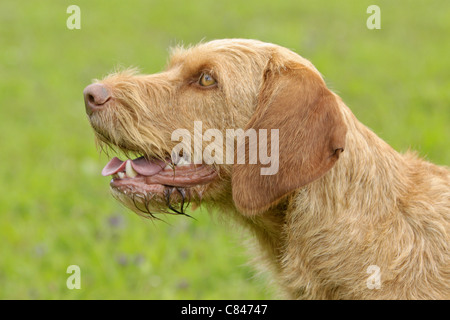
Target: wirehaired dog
342, 202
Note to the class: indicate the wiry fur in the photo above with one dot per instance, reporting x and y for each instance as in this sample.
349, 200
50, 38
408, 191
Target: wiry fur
343, 199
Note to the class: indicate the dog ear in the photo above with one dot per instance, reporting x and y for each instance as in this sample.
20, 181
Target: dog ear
295, 100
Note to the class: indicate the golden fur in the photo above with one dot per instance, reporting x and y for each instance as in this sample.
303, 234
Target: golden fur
342, 200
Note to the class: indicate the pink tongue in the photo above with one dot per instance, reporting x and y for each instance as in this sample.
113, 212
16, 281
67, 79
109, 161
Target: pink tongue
114, 166
140, 165
147, 168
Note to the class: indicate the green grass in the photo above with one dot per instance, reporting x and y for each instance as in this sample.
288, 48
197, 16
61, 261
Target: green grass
55, 207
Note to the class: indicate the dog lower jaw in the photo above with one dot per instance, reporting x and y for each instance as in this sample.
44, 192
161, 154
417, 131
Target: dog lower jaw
159, 199
170, 191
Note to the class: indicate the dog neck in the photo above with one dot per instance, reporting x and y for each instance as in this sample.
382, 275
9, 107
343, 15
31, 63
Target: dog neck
345, 195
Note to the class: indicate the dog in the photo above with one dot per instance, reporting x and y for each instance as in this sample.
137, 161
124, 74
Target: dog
343, 216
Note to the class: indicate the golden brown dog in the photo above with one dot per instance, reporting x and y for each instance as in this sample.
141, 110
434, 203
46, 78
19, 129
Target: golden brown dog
343, 217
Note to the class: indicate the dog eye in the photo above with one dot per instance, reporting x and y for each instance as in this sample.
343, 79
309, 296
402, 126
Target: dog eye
206, 80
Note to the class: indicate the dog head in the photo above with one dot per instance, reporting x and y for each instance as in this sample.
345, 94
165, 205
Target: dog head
187, 125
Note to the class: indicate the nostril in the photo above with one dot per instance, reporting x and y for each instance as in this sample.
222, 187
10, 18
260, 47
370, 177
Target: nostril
91, 98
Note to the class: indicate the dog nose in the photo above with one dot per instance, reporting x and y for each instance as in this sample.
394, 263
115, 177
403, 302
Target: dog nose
95, 97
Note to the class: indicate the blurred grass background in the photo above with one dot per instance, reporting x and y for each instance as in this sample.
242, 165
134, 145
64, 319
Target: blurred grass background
55, 207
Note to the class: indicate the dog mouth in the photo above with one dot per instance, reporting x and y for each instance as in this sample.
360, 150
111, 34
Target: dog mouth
152, 186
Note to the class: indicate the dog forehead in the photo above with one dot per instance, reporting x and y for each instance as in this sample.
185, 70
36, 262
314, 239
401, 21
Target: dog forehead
233, 54
221, 46
225, 53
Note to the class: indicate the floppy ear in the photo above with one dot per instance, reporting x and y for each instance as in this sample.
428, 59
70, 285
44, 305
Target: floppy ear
294, 100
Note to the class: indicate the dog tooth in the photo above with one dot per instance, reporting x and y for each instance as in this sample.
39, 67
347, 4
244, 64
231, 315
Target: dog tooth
131, 173
121, 175
182, 162
185, 156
